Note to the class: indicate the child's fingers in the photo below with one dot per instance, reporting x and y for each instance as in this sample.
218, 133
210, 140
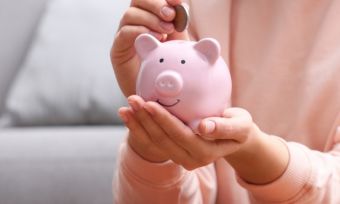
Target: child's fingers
123, 51
140, 17
123, 114
198, 148
236, 112
235, 125
169, 123
156, 133
124, 41
126, 115
200, 152
139, 140
178, 35
178, 140
174, 2
160, 8
236, 128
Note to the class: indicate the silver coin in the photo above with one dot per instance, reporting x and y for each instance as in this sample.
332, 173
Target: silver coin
181, 20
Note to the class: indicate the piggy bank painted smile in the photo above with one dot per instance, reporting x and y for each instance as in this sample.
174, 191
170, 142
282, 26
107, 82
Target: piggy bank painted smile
190, 79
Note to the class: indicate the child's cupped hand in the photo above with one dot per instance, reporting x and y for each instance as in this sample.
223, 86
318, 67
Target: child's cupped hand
157, 135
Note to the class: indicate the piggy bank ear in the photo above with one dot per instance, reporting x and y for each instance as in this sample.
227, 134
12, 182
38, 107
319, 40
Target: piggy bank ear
209, 48
145, 43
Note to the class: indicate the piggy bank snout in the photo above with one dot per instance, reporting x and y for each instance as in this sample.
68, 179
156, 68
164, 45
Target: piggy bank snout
169, 83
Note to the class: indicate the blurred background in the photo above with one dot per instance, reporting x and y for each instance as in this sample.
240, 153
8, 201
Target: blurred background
59, 129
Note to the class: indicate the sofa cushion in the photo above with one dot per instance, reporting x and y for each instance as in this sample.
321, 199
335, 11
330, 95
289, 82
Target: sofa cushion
18, 21
67, 78
58, 165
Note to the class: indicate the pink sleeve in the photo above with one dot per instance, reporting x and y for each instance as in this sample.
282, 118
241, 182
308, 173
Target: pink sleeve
311, 177
140, 181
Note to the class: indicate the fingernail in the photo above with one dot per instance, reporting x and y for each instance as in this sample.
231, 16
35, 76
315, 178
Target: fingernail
166, 26
209, 127
167, 11
134, 105
123, 117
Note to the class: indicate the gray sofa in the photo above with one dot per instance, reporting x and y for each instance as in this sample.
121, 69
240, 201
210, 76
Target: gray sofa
52, 157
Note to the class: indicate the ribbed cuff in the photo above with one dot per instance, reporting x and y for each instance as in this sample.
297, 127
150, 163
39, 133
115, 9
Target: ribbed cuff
154, 174
288, 185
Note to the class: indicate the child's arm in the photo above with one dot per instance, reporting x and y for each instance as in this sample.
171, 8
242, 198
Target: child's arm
143, 16
140, 181
148, 121
310, 177
270, 168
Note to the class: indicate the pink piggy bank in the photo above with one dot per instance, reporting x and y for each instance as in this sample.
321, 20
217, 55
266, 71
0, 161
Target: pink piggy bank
190, 79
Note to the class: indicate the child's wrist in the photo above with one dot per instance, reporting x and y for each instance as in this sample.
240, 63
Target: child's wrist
261, 160
254, 139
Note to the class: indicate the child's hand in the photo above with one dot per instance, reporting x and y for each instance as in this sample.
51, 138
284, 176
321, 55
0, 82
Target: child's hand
157, 135
236, 124
143, 16
257, 157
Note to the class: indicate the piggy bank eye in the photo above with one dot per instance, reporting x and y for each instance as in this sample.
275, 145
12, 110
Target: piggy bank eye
161, 60
183, 61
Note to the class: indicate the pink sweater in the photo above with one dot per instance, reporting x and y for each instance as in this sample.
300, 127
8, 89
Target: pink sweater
284, 58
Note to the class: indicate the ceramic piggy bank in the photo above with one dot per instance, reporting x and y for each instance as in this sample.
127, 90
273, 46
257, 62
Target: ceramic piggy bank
190, 79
